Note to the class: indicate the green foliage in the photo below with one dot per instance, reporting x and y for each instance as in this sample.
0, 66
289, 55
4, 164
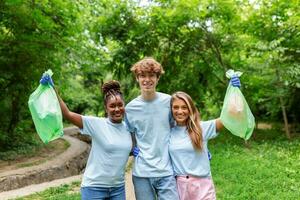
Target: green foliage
35, 36
22, 150
88, 42
273, 53
197, 42
175, 38
29, 38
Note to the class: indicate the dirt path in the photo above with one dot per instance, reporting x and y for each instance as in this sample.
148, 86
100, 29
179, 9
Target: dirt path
44, 154
264, 126
129, 186
75, 149
31, 189
75, 146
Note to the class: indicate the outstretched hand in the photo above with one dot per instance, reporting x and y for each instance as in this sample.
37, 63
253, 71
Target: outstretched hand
235, 81
46, 79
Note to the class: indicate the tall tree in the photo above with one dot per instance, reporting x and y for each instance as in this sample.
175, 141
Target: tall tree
34, 36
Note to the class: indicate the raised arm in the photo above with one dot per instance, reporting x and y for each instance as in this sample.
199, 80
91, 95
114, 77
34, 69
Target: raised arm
72, 117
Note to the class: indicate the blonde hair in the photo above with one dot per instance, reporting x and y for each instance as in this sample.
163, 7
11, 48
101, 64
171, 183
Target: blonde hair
193, 121
147, 64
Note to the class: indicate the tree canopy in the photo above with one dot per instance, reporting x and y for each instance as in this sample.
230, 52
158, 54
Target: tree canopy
87, 42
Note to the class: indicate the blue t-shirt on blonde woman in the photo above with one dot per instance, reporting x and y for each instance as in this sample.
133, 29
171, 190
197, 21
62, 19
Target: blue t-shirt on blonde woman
185, 159
111, 145
150, 122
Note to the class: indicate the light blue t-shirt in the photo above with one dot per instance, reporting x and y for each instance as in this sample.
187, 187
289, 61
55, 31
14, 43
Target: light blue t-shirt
111, 145
150, 122
185, 159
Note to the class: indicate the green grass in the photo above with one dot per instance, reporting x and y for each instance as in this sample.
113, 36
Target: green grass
269, 168
65, 192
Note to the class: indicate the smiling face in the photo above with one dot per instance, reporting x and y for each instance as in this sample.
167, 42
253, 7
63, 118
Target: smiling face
115, 109
180, 111
147, 81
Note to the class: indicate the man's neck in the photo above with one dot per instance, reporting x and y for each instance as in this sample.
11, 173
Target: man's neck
148, 96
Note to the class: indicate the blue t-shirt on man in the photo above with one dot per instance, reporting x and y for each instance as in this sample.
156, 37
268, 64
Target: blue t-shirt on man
150, 122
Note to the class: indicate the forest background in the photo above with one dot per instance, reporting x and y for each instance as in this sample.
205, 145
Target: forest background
87, 42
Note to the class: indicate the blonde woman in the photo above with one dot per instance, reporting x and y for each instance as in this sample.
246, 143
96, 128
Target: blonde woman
188, 148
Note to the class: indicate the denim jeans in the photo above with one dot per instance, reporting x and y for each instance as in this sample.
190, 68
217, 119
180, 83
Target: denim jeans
101, 193
160, 188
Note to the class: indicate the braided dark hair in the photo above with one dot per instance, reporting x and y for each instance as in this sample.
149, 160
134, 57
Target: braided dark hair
111, 88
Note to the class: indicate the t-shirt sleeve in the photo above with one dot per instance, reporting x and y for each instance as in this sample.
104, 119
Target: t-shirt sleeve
129, 126
209, 130
89, 125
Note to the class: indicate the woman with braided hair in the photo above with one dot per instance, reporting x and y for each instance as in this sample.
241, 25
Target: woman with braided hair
111, 144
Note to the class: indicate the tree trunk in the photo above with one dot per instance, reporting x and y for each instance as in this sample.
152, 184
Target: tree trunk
14, 116
286, 123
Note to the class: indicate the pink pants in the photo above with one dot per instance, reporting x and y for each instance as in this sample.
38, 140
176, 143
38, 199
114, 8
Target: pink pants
195, 188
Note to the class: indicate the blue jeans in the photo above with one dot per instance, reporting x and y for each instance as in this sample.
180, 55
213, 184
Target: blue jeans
101, 193
160, 188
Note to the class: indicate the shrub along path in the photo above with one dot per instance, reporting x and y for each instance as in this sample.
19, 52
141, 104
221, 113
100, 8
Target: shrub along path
35, 156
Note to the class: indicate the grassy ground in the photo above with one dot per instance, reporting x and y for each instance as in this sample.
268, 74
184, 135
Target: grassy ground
65, 192
267, 169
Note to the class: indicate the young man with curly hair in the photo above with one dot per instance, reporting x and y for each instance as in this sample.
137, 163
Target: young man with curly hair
148, 116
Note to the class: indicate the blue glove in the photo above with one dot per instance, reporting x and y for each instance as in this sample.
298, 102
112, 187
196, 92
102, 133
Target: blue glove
235, 81
135, 151
46, 79
209, 155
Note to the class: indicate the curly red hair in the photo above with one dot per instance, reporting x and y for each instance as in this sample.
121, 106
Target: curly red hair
147, 64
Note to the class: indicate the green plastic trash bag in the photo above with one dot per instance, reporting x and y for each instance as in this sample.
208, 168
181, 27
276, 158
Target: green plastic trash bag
236, 114
46, 113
